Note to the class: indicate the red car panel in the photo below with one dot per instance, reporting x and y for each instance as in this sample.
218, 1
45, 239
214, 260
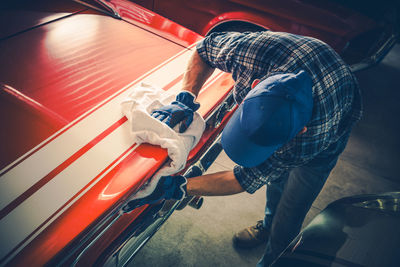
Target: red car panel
70, 71
324, 20
361, 31
150, 21
68, 164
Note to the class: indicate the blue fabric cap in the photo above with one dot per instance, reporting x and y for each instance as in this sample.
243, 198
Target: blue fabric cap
272, 113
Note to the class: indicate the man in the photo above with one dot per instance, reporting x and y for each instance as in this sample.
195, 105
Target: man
298, 102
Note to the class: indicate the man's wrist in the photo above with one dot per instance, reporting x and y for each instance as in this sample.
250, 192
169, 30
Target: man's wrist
188, 99
190, 92
181, 188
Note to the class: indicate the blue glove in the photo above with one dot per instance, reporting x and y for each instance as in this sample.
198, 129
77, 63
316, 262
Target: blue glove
179, 111
168, 187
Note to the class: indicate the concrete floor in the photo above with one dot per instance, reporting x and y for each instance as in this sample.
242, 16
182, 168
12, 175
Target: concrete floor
369, 164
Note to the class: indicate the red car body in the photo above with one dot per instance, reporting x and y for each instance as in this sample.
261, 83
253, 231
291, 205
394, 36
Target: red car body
68, 166
361, 31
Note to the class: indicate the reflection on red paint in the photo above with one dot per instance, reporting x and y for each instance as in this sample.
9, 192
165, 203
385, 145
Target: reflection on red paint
75, 65
167, 28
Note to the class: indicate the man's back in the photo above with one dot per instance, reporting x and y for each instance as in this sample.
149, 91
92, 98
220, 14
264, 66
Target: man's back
249, 56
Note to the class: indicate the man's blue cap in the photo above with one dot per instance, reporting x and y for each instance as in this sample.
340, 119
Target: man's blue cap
272, 114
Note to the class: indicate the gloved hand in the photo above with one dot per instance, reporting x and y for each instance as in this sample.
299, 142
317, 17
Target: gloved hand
168, 187
179, 111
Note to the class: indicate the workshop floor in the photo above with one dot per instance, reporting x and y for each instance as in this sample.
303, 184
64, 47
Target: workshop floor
370, 164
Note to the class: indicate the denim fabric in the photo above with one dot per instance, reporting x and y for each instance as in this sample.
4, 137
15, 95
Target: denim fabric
290, 197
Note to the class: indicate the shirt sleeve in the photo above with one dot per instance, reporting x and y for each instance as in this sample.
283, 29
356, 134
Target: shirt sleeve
219, 50
255, 55
251, 179
298, 152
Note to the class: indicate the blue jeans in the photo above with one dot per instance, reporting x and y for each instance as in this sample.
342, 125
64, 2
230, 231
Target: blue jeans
290, 197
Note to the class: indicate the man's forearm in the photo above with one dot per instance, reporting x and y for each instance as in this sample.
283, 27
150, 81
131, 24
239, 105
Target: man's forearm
197, 73
215, 184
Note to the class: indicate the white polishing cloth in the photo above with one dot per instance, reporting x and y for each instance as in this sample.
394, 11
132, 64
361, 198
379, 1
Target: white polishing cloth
137, 107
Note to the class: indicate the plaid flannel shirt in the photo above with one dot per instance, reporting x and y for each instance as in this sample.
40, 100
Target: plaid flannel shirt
337, 100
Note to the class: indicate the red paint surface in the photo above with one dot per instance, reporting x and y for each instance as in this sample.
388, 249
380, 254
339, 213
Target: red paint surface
69, 71
72, 65
325, 20
142, 163
160, 25
121, 181
60, 168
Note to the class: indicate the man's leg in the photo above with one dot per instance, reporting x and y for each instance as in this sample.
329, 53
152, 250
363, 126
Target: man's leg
258, 234
273, 192
301, 189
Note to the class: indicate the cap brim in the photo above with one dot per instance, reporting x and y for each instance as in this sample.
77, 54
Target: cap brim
240, 148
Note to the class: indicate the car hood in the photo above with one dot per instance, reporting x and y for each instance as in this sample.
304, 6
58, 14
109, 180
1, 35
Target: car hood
60, 70
66, 154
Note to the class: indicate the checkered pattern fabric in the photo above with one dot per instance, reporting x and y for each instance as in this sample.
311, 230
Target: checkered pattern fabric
337, 100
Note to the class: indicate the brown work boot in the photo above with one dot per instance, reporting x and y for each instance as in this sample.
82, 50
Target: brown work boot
251, 236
